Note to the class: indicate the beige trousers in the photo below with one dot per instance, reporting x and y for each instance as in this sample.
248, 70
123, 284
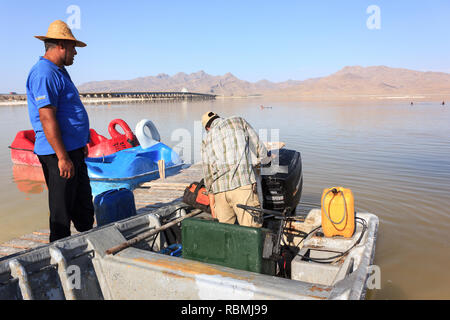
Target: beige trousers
226, 210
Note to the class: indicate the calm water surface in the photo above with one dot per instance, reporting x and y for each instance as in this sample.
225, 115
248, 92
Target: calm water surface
395, 158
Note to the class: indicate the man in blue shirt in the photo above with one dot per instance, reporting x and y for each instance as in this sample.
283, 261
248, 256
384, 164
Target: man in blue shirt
61, 124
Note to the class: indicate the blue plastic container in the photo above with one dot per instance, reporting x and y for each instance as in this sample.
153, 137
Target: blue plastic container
173, 250
114, 205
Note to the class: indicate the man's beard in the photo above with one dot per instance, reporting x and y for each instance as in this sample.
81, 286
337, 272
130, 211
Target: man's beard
69, 63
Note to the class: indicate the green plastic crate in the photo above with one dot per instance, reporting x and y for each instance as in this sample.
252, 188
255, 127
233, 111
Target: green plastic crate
227, 245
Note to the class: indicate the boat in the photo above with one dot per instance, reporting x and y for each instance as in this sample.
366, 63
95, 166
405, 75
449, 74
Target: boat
177, 252
130, 167
80, 268
22, 147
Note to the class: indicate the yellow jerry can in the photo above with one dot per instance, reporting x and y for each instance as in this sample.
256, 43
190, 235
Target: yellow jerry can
338, 212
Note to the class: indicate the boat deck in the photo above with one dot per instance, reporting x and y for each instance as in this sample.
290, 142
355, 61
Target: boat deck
148, 197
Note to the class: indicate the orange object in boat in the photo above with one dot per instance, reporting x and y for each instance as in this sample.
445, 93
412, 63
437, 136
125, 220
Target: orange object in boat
338, 212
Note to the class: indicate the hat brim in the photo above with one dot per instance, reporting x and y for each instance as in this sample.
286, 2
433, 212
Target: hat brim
78, 43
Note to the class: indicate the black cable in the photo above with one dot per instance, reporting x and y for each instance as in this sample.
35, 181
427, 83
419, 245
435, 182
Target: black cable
294, 232
182, 207
317, 260
307, 235
326, 260
281, 262
154, 240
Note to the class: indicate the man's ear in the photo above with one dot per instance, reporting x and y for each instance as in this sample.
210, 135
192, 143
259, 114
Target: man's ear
62, 44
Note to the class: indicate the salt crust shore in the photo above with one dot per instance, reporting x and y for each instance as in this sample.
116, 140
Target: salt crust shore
418, 97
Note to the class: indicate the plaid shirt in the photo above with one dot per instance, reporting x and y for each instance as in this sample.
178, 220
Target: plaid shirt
229, 151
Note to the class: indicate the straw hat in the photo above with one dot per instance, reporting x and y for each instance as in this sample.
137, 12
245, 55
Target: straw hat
60, 30
208, 117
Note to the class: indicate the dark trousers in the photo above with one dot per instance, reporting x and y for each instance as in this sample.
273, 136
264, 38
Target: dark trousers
69, 199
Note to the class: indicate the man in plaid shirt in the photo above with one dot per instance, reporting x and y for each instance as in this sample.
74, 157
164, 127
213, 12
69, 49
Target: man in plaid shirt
229, 152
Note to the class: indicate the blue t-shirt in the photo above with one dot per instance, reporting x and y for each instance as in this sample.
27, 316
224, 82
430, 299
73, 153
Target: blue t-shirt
49, 84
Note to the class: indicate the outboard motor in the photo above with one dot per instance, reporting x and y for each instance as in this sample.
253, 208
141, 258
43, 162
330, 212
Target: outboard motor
282, 182
280, 187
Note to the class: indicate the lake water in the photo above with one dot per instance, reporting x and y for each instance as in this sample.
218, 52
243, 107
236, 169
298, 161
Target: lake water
395, 158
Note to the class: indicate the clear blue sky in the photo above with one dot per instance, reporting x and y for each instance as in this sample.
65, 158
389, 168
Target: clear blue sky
254, 40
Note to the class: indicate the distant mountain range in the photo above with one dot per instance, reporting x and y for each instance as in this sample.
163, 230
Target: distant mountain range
351, 81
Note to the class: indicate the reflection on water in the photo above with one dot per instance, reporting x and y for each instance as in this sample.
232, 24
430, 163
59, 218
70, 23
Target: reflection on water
29, 179
395, 157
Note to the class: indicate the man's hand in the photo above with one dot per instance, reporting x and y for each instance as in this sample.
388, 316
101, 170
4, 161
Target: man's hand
66, 168
274, 145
